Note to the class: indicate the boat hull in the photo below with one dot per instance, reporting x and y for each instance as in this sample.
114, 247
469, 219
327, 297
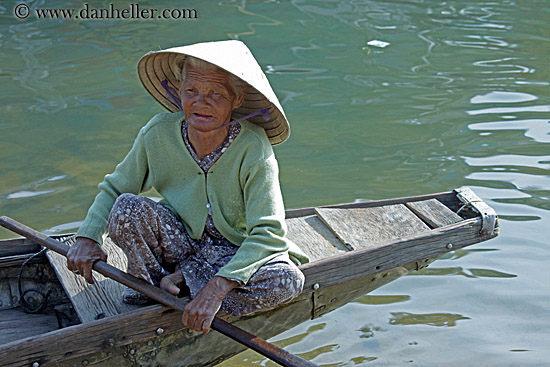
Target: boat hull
135, 338
387, 239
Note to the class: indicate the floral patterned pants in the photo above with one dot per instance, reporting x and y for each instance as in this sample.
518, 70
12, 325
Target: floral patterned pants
155, 242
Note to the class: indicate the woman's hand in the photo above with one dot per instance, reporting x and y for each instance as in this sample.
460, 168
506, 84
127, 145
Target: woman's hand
82, 256
200, 312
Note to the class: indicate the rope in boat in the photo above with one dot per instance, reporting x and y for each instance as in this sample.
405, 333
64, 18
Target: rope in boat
25, 305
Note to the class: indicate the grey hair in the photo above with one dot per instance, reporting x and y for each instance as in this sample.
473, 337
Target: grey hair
236, 84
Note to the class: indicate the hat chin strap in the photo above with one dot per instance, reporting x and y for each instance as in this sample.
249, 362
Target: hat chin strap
171, 92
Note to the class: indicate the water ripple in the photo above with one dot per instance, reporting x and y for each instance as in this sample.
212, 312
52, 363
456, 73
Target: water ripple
432, 319
468, 273
503, 97
504, 160
507, 110
65, 227
503, 63
27, 194
536, 129
522, 181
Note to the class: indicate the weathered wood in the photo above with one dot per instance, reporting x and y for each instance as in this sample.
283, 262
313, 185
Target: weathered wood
23, 246
16, 325
114, 289
314, 238
18, 246
434, 213
18, 260
45, 285
39, 276
98, 300
447, 198
135, 339
488, 216
6, 299
352, 265
51, 348
369, 227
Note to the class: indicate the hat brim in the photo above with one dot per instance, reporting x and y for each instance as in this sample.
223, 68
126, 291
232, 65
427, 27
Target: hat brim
157, 66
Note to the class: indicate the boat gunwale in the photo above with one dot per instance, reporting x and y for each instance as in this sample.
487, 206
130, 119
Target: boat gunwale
301, 212
356, 260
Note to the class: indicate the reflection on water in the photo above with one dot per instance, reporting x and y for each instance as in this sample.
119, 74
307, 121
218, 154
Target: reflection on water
27, 194
457, 254
64, 228
311, 352
522, 181
458, 97
434, 319
503, 97
382, 300
536, 129
368, 331
508, 110
29, 190
310, 355
469, 273
299, 337
542, 161
488, 273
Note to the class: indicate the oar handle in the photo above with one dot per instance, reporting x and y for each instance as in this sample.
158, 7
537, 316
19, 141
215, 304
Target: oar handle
259, 345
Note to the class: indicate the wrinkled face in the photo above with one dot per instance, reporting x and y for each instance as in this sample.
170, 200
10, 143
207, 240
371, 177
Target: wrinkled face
207, 99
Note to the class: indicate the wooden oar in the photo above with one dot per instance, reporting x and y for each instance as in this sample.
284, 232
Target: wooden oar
259, 345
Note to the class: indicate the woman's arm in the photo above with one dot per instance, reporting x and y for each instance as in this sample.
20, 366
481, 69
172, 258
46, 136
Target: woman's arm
265, 221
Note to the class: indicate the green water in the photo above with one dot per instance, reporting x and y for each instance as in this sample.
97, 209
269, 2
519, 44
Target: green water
458, 97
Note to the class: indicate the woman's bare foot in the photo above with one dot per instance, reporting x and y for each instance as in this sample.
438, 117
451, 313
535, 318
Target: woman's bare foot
171, 283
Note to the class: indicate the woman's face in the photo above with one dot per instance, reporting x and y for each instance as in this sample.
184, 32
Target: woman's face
207, 99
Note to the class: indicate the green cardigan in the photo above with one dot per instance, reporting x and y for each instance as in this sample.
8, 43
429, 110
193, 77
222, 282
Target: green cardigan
242, 188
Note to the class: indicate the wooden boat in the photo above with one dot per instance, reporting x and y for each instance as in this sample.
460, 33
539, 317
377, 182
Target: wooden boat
355, 248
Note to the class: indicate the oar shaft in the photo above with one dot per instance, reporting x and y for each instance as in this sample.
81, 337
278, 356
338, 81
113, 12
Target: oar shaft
259, 345
269, 350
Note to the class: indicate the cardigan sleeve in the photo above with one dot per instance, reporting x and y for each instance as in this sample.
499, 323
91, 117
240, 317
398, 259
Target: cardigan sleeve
265, 222
130, 176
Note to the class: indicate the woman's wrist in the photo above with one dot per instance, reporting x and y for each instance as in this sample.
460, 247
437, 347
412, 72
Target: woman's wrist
220, 286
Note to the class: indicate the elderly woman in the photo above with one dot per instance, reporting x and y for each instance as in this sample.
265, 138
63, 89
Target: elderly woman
219, 231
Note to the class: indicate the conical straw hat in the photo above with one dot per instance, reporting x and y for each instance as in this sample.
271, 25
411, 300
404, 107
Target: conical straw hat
232, 56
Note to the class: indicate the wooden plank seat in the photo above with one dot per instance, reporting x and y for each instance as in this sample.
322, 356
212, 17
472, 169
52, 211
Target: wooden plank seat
93, 301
